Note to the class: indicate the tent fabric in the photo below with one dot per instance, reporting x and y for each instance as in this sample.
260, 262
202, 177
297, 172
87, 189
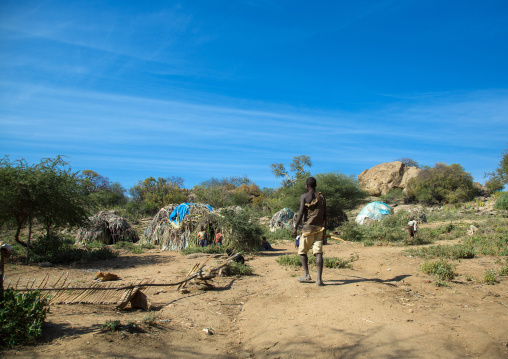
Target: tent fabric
282, 220
374, 210
182, 210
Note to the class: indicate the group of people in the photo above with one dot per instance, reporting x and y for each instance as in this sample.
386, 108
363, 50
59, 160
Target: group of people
203, 237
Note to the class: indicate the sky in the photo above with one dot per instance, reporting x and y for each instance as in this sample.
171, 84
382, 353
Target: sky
212, 88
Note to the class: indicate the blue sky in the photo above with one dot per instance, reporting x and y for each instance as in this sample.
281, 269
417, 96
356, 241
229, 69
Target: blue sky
202, 89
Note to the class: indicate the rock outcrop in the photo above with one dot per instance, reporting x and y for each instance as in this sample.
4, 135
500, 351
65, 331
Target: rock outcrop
380, 179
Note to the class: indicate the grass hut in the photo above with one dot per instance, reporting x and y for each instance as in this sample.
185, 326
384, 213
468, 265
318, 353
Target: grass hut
108, 228
171, 234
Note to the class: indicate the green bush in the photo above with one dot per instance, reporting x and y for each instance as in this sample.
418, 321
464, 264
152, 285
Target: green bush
502, 201
246, 232
240, 269
111, 325
441, 269
489, 277
55, 250
211, 249
441, 184
21, 317
395, 195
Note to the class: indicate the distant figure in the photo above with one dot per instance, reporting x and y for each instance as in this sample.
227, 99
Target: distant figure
297, 243
265, 245
412, 228
202, 236
218, 238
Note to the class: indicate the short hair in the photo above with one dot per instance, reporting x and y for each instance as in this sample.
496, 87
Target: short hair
311, 181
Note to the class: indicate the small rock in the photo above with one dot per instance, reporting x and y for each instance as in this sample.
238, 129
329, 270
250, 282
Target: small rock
46, 264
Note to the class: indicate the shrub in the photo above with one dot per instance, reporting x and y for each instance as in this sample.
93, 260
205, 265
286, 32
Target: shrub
442, 184
239, 269
502, 201
441, 269
21, 317
55, 250
111, 325
489, 277
246, 232
395, 195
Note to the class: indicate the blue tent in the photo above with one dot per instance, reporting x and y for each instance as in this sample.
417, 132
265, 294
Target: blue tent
374, 210
182, 210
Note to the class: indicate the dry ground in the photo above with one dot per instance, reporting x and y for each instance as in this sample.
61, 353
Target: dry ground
384, 307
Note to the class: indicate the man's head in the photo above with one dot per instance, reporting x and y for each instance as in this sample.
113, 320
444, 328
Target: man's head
311, 182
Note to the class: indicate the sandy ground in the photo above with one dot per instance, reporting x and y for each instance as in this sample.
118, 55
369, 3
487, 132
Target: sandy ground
383, 307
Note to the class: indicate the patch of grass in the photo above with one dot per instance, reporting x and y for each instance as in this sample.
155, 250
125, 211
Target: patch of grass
211, 249
328, 262
443, 270
111, 326
504, 271
456, 251
132, 247
151, 317
240, 269
279, 235
489, 277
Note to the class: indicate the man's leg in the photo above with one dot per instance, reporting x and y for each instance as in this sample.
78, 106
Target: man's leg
305, 265
319, 268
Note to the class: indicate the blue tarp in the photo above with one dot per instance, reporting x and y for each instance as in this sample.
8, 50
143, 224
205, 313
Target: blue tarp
182, 210
374, 210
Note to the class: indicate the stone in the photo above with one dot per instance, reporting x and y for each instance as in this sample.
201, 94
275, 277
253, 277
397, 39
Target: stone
381, 179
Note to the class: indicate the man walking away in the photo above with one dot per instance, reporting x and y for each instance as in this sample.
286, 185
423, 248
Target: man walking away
313, 212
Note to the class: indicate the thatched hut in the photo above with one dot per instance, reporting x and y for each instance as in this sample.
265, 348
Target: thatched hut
108, 228
172, 231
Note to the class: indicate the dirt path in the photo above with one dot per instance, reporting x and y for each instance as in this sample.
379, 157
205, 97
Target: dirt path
383, 307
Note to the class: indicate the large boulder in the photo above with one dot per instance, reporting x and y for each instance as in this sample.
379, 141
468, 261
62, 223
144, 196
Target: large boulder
380, 179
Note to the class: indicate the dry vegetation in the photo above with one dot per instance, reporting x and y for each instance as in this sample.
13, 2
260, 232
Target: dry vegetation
446, 298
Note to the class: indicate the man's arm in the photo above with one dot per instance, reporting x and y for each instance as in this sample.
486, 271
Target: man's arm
300, 215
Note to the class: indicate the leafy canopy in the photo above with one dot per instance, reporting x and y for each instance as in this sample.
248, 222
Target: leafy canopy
442, 184
48, 192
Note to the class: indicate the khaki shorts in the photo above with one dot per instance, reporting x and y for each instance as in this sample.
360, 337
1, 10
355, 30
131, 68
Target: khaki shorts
311, 240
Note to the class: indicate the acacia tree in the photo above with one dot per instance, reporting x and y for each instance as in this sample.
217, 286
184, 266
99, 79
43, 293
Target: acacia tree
499, 178
48, 192
101, 192
151, 194
297, 166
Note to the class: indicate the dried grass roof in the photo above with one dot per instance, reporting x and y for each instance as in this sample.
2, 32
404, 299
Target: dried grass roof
161, 231
108, 228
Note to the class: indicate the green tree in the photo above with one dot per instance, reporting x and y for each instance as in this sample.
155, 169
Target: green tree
47, 191
499, 178
151, 194
93, 182
297, 166
409, 162
441, 184
232, 191
341, 193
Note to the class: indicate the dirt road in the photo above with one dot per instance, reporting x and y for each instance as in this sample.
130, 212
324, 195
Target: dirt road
383, 307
